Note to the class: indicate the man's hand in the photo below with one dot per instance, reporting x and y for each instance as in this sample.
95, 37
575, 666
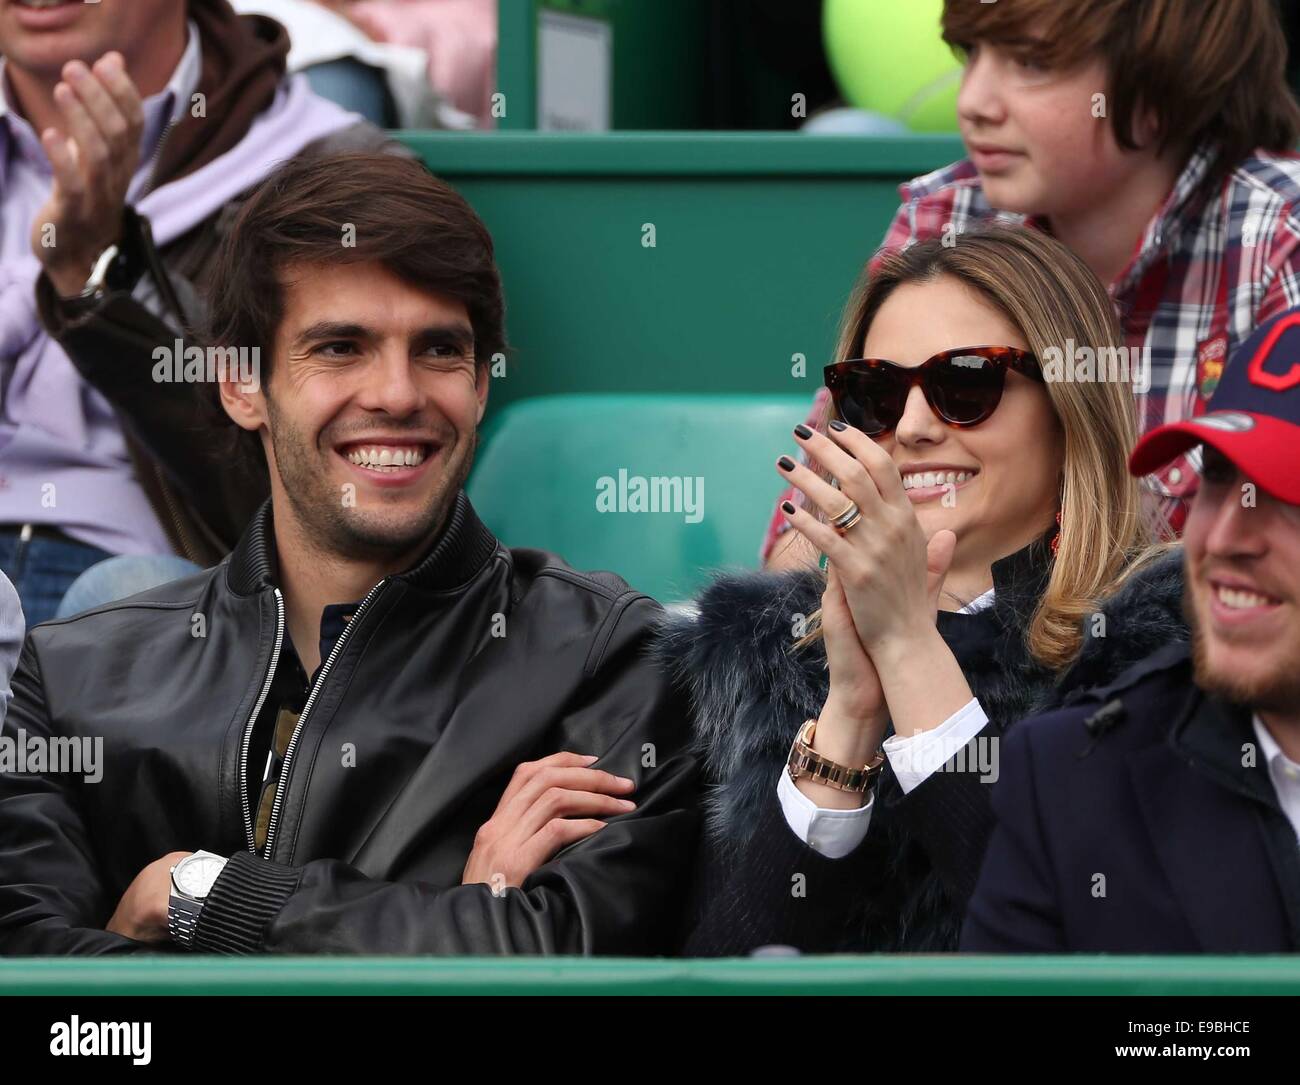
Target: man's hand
93, 159
142, 912
536, 817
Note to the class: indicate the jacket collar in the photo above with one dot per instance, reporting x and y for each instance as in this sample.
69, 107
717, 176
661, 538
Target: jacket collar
1020, 579
1212, 734
460, 551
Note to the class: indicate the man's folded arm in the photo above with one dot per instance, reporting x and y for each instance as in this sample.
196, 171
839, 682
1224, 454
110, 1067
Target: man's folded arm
52, 897
618, 891
606, 894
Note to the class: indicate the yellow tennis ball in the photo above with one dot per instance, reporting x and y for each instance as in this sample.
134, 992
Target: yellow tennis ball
888, 57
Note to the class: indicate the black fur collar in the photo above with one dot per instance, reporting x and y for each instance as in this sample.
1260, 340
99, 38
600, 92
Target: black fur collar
750, 693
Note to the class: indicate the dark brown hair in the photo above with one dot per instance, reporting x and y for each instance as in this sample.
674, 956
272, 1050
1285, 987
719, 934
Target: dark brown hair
1207, 70
402, 217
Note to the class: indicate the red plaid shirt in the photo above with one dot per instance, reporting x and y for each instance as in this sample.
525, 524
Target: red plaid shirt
1204, 274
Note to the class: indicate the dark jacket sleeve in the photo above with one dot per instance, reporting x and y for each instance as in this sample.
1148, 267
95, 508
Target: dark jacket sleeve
1014, 907
52, 898
112, 347
772, 889
950, 814
619, 891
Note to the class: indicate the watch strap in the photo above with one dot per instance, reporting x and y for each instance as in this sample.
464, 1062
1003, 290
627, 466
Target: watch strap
804, 761
182, 918
117, 269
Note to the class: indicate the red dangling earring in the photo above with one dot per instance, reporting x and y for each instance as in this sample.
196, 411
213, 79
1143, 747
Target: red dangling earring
1056, 539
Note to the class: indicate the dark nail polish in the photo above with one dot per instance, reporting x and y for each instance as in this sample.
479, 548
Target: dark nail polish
785, 463
803, 432
838, 426
788, 508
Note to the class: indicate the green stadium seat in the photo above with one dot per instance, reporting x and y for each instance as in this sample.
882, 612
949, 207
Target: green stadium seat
582, 475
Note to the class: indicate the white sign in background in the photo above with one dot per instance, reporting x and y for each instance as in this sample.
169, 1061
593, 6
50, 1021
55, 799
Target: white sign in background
574, 73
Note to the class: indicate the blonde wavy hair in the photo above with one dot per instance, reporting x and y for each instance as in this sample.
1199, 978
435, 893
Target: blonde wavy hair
1107, 528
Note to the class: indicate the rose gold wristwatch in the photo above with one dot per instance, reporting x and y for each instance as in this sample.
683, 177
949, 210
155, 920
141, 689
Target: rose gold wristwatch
805, 761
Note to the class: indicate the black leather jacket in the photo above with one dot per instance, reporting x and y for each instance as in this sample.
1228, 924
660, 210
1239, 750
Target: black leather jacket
407, 745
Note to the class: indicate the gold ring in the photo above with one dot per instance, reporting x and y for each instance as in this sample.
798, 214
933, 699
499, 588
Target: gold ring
844, 520
843, 529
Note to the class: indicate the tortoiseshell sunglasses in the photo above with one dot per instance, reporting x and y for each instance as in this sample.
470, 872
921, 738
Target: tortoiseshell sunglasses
963, 386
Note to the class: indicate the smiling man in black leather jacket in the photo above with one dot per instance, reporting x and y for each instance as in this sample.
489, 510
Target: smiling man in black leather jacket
482, 761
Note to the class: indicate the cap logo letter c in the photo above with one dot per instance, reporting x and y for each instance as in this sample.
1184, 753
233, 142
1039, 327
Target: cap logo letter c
1261, 377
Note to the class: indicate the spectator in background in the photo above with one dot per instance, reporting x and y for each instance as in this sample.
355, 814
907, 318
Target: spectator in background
460, 37
132, 130
387, 84
1161, 815
11, 640
1155, 139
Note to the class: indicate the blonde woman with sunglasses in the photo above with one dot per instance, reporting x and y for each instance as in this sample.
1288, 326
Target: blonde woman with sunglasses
984, 555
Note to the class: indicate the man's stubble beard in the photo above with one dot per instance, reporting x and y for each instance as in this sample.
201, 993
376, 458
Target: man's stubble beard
338, 529
1279, 693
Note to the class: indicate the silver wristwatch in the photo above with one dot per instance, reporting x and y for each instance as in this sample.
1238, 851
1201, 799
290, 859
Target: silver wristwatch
192, 880
96, 288
96, 284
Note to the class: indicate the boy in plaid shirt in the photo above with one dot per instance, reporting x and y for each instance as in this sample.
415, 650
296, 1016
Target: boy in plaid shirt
1153, 137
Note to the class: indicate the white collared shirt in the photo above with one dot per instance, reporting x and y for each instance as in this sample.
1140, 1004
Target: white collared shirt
1284, 773
836, 833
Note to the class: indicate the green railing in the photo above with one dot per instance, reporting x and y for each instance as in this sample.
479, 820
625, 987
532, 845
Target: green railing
876, 975
679, 263
665, 264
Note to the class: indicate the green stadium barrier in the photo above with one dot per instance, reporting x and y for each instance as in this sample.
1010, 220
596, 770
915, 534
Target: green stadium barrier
758, 239
583, 475
866, 975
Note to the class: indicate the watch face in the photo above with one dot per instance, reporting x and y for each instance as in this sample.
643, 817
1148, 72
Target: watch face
194, 876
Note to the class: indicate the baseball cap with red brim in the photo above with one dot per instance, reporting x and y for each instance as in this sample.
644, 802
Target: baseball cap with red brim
1253, 418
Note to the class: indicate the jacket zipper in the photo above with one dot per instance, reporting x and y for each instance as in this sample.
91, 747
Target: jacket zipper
283, 784
186, 547
244, 806
152, 183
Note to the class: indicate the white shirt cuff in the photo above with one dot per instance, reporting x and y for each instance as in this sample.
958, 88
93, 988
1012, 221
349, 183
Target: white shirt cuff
832, 833
915, 757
